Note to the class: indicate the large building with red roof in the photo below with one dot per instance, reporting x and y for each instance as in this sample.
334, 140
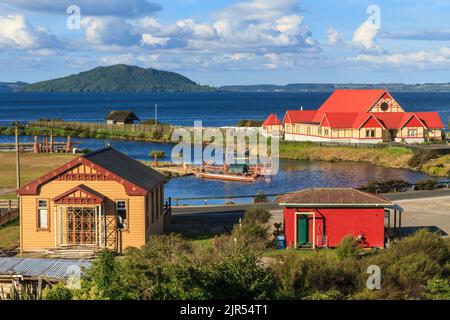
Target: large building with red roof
359, 116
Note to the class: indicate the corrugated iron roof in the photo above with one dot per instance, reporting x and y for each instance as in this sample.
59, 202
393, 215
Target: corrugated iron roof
34, 267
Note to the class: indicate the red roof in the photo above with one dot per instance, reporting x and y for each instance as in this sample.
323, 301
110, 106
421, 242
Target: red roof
272, 120
296, 116
341, 120
431, 119
358, 101
392, 120
349, 109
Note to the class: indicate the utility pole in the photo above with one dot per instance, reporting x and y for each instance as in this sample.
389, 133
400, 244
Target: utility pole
17, 155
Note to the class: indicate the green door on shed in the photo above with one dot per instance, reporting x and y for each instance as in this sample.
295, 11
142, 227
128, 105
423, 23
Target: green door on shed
302, 229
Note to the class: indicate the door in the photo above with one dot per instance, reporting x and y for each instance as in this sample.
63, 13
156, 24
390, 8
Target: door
302, 229
81, 226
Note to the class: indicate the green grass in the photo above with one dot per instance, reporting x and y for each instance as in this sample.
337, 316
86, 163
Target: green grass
275, 253
9, 235
32, 167
201, 239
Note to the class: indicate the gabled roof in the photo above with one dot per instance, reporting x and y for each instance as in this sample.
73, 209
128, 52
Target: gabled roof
126, 167
89, 196
272, 120
296, 116
340, 120
332, 197
392, 120
352, 101
121, 115
431, 119
137, 178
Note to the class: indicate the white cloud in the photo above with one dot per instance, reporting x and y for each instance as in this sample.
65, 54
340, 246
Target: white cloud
408, 60
365, 36
109, 31
17, 33
257, 25
334, 36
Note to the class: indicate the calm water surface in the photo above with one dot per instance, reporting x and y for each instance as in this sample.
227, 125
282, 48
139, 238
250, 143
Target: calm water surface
293, 175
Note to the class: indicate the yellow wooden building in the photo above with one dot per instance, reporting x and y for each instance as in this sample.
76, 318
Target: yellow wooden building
104, 199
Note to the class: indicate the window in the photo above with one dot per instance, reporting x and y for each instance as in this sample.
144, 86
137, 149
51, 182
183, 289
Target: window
121, 213
412, 132
326, 132
42, 214
385, 106
370, 133
308, 130
319, 131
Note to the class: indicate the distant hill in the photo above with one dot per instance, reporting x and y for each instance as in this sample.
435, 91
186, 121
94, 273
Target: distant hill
119, 78
12, 86
327, 87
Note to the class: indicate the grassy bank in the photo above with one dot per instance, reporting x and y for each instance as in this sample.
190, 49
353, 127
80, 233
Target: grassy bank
116, 134
389, 157
393, 157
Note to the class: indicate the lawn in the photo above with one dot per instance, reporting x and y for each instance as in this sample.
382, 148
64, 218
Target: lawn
32, 166
9, 235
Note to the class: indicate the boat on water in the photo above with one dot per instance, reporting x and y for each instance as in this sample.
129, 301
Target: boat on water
227, 177
232, 172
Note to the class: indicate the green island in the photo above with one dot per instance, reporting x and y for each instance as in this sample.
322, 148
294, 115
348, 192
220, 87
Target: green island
118, 78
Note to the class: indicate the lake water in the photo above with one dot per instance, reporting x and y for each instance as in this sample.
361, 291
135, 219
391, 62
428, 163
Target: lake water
214, 109
293, 175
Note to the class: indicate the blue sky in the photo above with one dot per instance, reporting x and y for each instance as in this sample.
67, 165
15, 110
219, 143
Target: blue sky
223, 42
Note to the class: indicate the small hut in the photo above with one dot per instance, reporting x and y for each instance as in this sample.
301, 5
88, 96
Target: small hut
121, 117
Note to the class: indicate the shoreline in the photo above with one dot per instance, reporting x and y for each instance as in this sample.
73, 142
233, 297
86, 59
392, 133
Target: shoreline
396, 157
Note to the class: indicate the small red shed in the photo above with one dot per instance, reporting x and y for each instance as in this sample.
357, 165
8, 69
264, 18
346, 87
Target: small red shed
323, 217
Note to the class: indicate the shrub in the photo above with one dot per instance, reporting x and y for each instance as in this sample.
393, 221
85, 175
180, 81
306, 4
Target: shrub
249, 123
438, 289
57, 292
157, 135
254, 230
239, 274
385, 186
427, 184
322, 273
348, 248
421, 157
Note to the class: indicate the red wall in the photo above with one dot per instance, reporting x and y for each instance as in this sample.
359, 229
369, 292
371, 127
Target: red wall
338, 223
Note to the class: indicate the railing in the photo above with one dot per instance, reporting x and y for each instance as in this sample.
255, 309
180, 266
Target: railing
8, 216
224, 200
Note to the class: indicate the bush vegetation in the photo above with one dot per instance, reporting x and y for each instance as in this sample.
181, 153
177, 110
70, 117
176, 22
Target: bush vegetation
171, 267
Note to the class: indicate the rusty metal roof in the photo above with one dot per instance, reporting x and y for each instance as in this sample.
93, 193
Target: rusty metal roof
34, 267
333, 197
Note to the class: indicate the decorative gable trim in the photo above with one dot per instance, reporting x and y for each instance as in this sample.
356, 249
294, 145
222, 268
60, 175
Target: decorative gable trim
61, 173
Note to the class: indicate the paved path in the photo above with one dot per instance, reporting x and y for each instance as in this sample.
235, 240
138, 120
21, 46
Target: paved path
422, 209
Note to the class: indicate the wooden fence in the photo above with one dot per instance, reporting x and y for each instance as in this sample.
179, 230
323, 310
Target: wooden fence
7, 216
163, 128
9, 204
